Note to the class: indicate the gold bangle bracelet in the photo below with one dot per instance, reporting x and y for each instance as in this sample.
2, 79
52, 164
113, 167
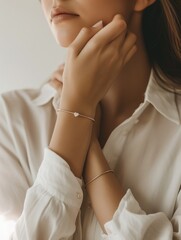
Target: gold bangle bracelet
76, 114
98, 176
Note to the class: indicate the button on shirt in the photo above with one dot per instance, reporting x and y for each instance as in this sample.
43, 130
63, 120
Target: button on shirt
40, 193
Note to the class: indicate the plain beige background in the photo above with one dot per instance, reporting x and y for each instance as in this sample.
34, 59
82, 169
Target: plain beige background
28, 51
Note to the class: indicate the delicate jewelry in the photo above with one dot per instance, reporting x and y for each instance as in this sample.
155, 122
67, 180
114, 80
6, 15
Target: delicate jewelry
98, 176
76, 114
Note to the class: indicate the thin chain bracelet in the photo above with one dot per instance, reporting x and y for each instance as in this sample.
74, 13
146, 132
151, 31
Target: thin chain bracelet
76, 114
98, 176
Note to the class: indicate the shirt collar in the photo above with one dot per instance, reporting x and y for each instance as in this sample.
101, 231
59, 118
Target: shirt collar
165, 102
46, 94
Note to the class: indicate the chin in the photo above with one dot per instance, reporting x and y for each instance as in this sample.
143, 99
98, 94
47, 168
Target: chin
63, 42
64, 37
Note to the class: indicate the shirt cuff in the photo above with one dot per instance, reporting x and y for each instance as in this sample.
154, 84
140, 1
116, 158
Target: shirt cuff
127, 209
56, 177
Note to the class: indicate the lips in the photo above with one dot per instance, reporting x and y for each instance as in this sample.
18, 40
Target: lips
61, 11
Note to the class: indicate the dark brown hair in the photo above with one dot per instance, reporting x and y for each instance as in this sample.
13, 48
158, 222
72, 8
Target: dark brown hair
162, 36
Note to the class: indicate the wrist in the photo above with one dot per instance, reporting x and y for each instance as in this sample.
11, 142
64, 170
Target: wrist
95, 163
76, 104
94, 143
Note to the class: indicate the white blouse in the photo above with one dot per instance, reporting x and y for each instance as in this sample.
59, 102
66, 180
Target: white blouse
47, 202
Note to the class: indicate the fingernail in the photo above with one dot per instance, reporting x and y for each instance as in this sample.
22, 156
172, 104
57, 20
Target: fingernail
98, 24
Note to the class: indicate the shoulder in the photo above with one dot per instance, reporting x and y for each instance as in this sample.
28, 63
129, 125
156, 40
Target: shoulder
15, 106
20, 102
18, 98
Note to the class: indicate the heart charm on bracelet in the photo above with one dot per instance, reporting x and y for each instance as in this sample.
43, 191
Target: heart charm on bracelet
76, 114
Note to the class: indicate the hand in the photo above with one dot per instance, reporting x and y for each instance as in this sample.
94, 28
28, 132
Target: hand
56, 79
95, 60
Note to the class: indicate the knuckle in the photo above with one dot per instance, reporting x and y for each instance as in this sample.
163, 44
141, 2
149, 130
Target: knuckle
121, 24
84, 30
118, 16
93, 45
72, 49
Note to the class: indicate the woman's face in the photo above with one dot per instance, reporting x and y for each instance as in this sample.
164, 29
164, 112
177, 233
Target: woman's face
89, 12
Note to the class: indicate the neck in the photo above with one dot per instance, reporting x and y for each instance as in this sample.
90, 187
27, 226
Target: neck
127, 92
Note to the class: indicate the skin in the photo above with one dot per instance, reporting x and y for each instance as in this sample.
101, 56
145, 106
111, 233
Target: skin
89, 14
106, 89
118, 97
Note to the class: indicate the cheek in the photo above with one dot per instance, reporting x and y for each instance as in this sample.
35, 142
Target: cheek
95, 10
46, 7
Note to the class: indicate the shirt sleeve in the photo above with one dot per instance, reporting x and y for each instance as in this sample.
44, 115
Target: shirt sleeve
43, 210
131, 222
52, 204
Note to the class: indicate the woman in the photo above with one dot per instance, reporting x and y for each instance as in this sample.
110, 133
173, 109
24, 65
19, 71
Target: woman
103, 161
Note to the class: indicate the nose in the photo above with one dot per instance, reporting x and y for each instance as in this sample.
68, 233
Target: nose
55, 3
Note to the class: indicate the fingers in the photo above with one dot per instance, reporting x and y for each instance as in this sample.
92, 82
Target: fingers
97, 36
130, 54
109, 33
82, 38
124, 46
112, 41
58, 73
129, 47
56, 79
129, 42
55, 83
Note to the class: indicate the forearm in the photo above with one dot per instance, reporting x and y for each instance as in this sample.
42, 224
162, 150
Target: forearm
105, 192
71, 136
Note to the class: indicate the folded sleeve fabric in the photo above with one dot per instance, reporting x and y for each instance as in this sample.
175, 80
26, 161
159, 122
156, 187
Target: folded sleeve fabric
131, 222
52, 204
42, 205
